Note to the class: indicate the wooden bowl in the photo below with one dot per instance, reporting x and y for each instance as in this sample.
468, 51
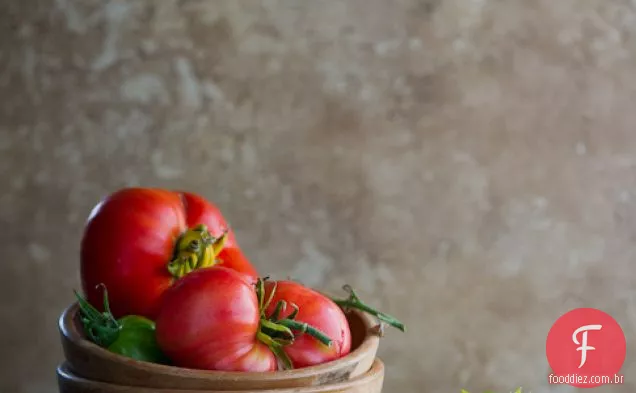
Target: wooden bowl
369, 382
87, 360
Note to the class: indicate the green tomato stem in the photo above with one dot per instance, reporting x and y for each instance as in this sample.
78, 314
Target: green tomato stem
293, 313
353, 302
277, 349
277, 333
265, 306
281, 306
101, 328
276, 329
302, 328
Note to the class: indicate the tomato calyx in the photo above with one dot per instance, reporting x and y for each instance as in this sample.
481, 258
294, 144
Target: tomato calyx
196, 249
132, 336
101, 327
276, 332
354, 302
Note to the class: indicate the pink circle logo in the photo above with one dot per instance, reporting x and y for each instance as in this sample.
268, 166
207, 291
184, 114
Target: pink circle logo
586, 348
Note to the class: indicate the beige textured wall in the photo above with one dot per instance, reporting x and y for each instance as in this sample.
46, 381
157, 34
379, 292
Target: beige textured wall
468, 165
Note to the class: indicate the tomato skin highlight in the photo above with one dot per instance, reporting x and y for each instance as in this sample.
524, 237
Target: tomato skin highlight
209, 320
130, 237
314, 309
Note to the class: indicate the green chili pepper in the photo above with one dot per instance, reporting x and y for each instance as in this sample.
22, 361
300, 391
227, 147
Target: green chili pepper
132, 336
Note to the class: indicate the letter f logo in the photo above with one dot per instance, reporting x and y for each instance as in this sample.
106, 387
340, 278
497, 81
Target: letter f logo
583, 344
573, 336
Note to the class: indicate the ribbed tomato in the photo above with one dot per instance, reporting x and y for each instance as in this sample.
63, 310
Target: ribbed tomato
138, 241
209, 320
318, 315
316, 310
215, 319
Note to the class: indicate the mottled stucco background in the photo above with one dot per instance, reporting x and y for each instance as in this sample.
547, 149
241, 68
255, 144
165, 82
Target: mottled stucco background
469, 166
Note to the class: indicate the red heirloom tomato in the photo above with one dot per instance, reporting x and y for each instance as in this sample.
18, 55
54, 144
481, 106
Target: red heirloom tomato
215, 319
290, 298
316, 314
138, 241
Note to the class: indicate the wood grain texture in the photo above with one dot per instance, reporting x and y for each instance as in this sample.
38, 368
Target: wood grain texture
94, 363
369, 382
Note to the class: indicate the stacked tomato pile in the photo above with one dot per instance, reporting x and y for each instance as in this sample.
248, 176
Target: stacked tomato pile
165, 281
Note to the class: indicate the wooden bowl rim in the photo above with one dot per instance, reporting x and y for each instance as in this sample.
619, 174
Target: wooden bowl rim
377, 368
69, 329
